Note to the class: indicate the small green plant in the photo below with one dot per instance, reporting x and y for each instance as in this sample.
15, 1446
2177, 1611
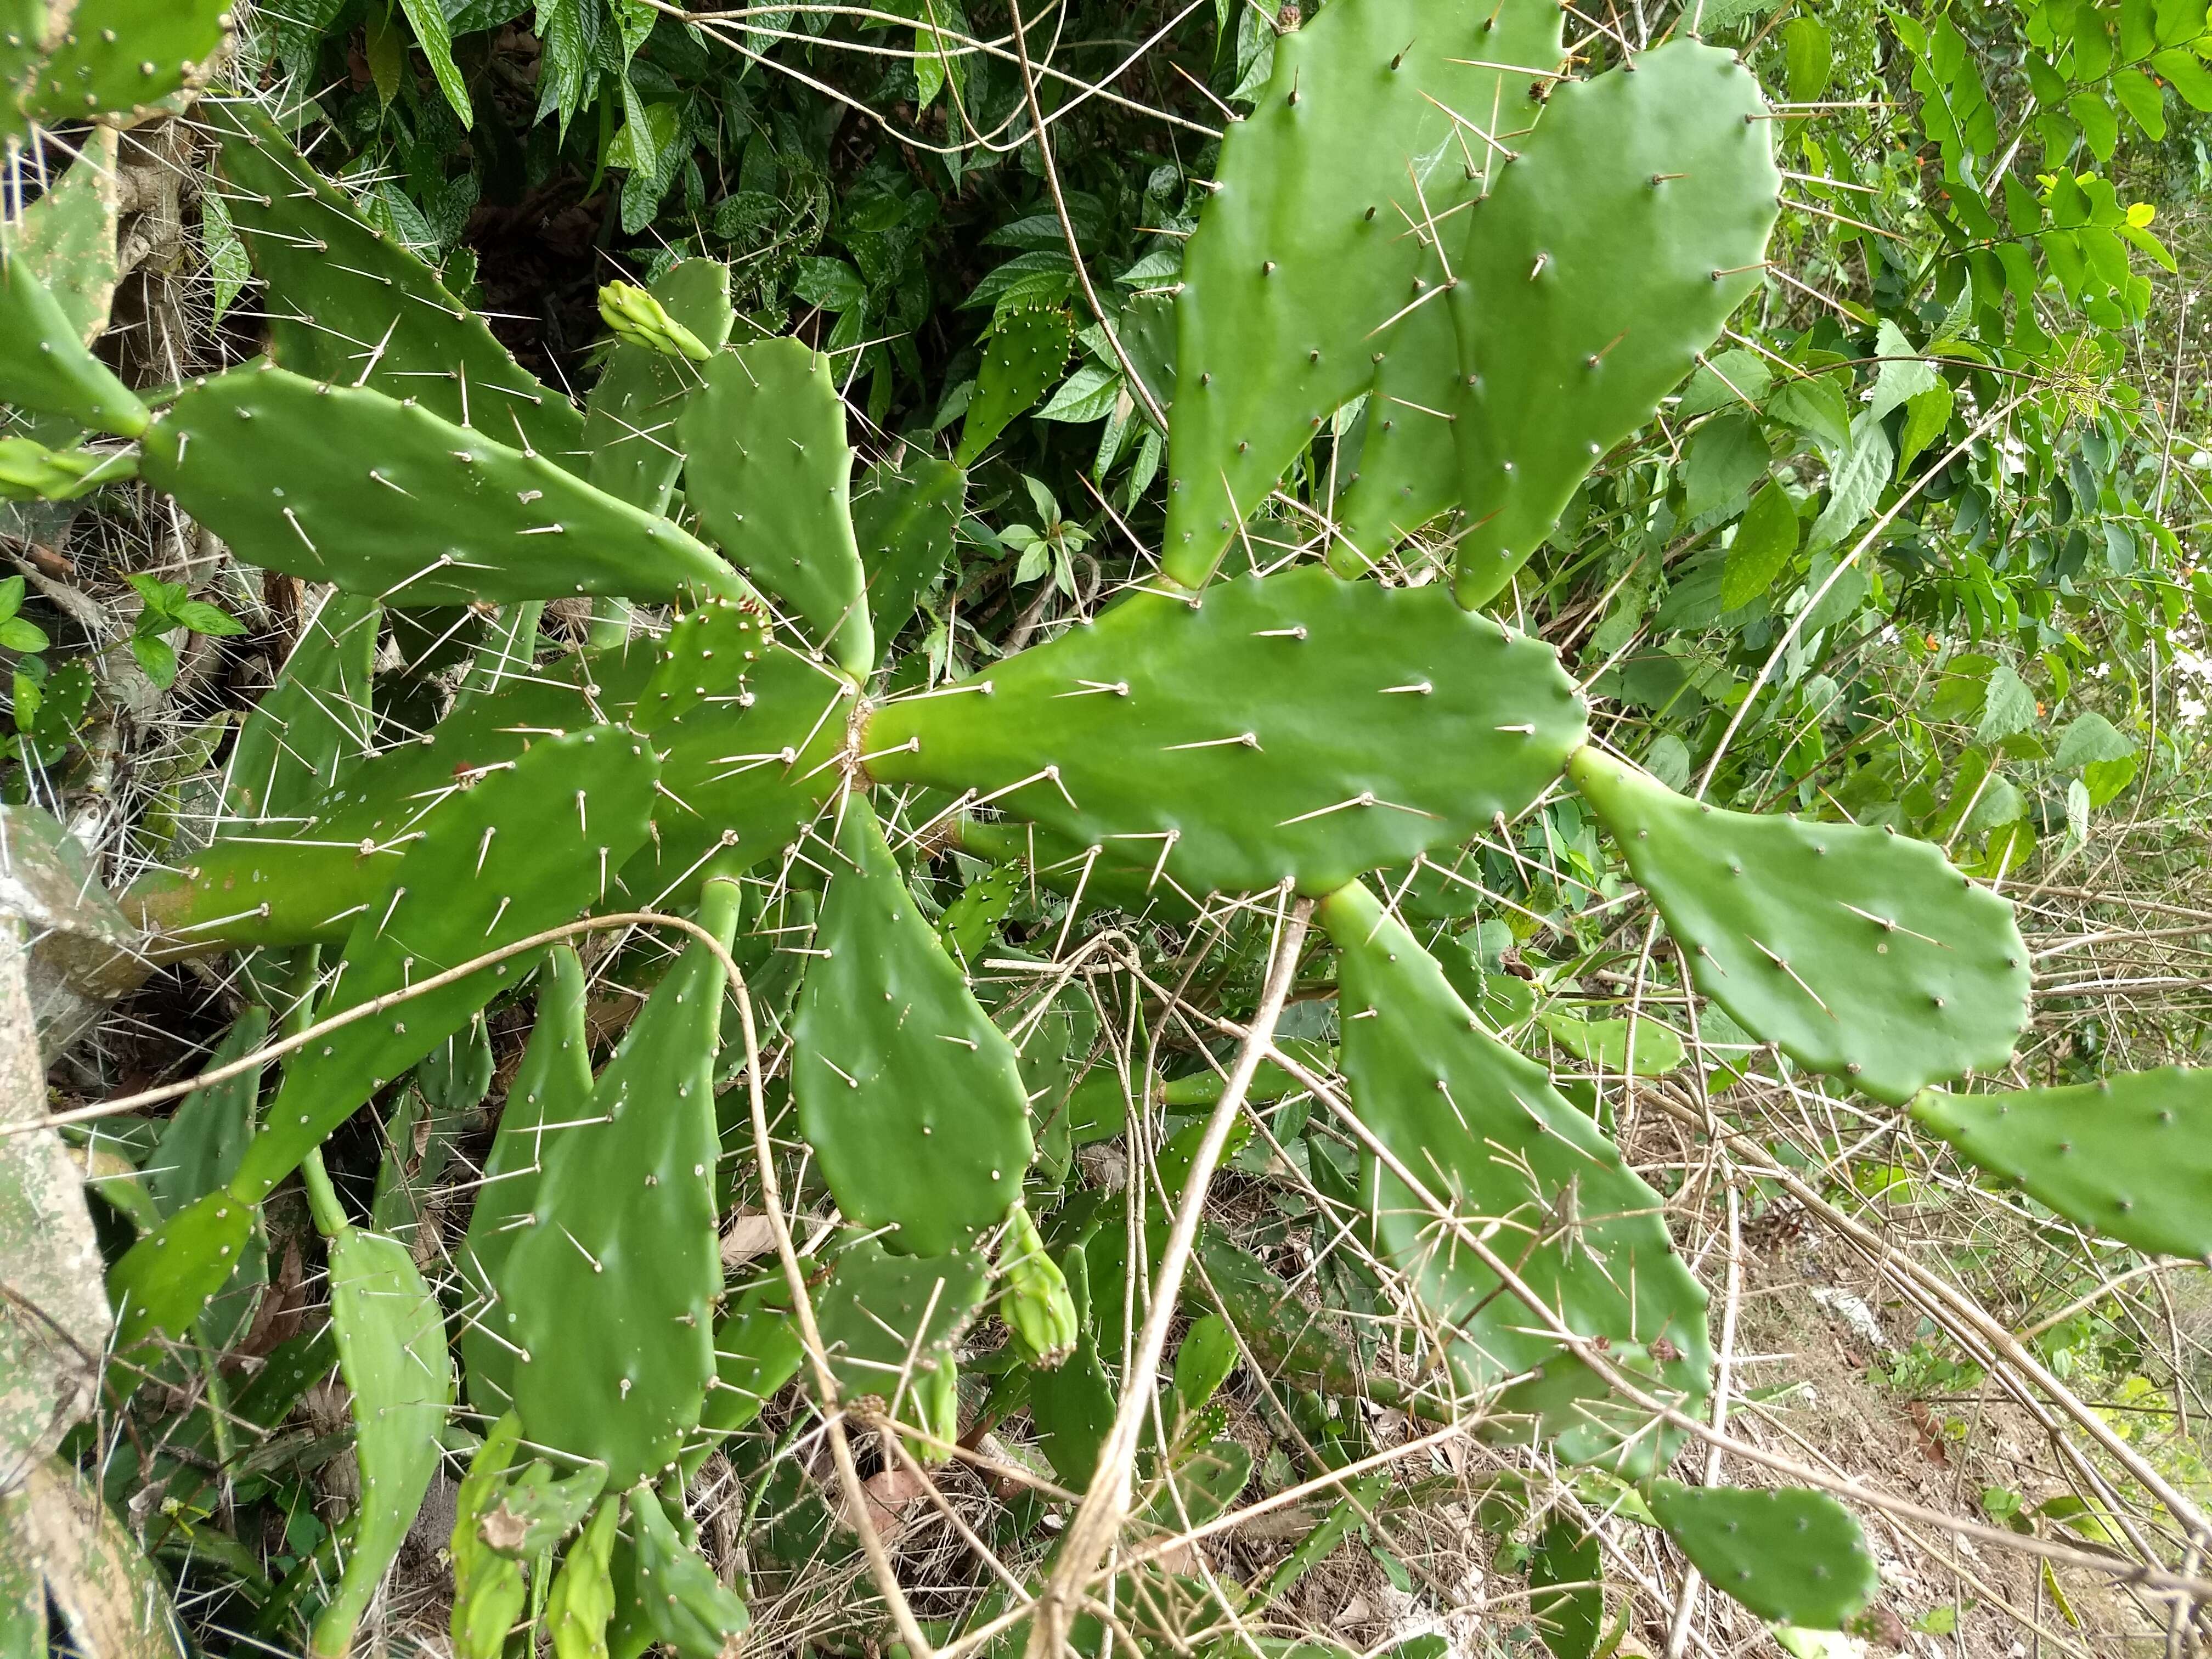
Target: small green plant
166, 607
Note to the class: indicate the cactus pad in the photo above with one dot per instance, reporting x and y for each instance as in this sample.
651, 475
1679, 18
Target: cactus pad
392, 1351
768, 471
350, 306
45, 365
1861, 954
315, 720
1290, 727
165, 1278
1794, 1555
518, 851
685, 1605
1306, 257
1484, 1129
68, 236
890, 1325
385, 498
629, 420
1629, 225
910, 1097
552, 1085
122, 57
1022, 357
2129, 1158
902, 519
611, 1291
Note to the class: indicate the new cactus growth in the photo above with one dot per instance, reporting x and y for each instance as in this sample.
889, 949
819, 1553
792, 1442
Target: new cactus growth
909, 1094
1790, 1554
1290, 727
621, 1237
890, 1325
1022, 357
638, 318
630, 421
1317, 245
768, 471
685, 1605
1035, 1306
2129, 1158
1860, 954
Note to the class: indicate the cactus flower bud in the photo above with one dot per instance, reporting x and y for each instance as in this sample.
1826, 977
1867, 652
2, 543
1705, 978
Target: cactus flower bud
637, 318
1037, 1308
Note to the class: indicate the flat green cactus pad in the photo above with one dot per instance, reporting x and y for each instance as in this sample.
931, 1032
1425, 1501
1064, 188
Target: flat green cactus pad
521, 849
1403, 470
309, 726
687, 1607
553, 1084
902, 519
768, 471
742, 770
1483, 1127
2129, 1158
122, 57
68, 236
1631, 222
1860, 954
392, 1351
629, 420
350, 306
1794, 1555
890, 1323
757, 1351
623, 1242
1291, 727
168, 1277
911, 1098
1307, 253
387, 498
45, 365
1022, 357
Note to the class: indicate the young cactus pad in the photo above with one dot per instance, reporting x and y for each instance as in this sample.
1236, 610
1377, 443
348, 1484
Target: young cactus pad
629, 421
890, 1325
2129, 1158
309, 725
909, 1096
1484, 1130
768, 471
348, 305
622, 1242
1330, 196
1631, 222
384, 497
685, 1605
552, 1085
1287, 727
902, 520
391, 1351
1861, 954
1793, 1555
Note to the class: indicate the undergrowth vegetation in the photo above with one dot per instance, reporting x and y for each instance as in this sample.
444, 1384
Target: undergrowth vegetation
1232, 830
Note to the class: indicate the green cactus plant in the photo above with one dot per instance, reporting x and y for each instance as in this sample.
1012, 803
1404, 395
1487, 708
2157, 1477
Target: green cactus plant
2126, 1156
909, 1094
1632, 221
1316, 247
891, 1324
1861, 954
1022, 357
1789, 1554
621, 1237
769, 473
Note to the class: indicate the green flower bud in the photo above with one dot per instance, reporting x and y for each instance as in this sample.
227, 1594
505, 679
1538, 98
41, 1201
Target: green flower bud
637, 318
1037, 1308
